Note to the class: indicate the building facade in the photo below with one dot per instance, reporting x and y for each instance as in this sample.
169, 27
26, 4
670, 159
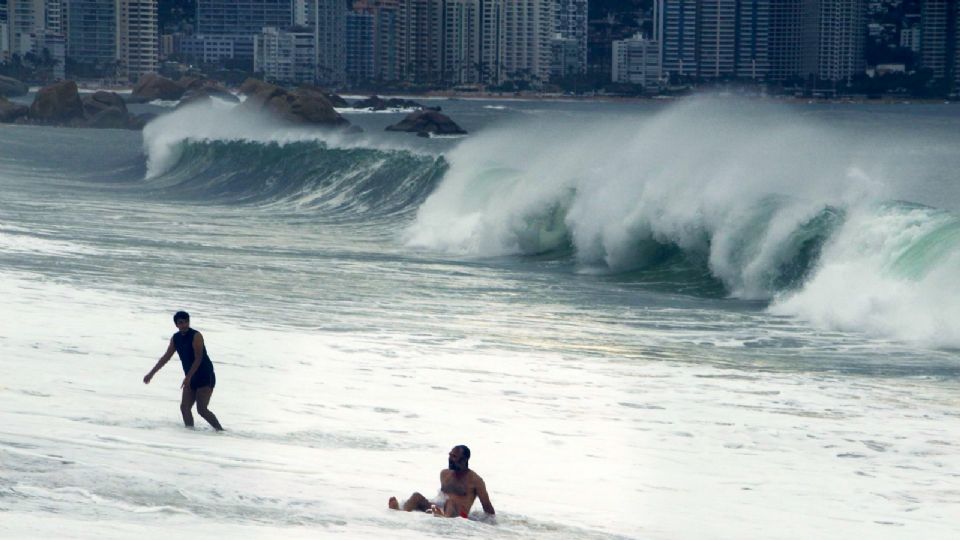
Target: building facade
285, 56
529, 27
92, 36
637, 61
360, 46
938, 44
137, 38
241, 20
571, 24
841, 39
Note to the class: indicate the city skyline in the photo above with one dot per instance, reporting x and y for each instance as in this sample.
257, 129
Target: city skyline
520, 44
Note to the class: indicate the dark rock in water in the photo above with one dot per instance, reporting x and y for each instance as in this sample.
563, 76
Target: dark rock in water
10, 111
96, 102
428, 122
152, 86
302, 106
111, 118
57, 104
60, 105
334, 99
200, 86
10, 87
376, 103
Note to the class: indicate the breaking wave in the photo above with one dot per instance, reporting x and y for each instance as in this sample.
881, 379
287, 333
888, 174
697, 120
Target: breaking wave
765, 204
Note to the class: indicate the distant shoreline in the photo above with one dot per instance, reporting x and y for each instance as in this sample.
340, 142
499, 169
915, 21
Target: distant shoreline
533, 97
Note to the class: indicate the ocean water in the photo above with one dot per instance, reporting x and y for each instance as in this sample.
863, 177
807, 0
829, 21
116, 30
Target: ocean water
700, 319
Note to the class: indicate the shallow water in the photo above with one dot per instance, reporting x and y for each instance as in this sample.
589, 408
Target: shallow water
707, 319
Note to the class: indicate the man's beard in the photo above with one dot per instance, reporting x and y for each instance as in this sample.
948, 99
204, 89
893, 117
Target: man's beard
455, 466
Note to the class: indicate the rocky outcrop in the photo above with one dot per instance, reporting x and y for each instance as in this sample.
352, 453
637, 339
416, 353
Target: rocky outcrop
10, 87
302, 106
428, 122
334, 99
10, 111
100, 101
201, 86
57, 104
152, 86
60, 105
377, 103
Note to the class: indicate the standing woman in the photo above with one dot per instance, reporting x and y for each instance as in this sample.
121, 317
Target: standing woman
199, 378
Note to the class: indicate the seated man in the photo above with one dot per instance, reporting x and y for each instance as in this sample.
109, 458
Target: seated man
459, 487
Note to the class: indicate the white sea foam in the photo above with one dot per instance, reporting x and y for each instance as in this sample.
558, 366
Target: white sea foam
221, 121
736, 188
324, 428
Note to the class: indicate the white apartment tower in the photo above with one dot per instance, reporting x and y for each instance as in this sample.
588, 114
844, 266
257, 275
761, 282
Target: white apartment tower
462, 30
637, 61
841, 39
529, 27
24, 18
137, 38
328, 20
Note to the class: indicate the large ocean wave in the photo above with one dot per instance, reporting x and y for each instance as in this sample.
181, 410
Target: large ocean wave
772, 206
763, 203
212, 154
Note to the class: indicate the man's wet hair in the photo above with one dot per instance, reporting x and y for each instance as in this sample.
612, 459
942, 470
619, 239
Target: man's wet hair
181, 316
465, 452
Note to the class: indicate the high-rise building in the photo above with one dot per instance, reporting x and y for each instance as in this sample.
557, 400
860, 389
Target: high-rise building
841, 37
328, 18
92, 36
637, 61
360, 46
241, 20
529, 28
420, 40
715, 39
787, 20
938, 47
571, 24
565, 57
492, 41
24, 17
137, 38
386, 20
753, 35
285, 56
462, 32
679, 35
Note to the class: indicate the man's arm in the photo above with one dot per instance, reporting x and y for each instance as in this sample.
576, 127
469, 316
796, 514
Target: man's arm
484, 498
160, 363
197, 359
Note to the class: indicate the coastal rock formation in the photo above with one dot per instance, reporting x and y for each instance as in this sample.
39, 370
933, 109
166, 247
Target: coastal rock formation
201, 86
302, 106
60, 105
334, 99
377, 103
100, 101
10, 111
152, 86
10, 87
57, 104
427, 122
